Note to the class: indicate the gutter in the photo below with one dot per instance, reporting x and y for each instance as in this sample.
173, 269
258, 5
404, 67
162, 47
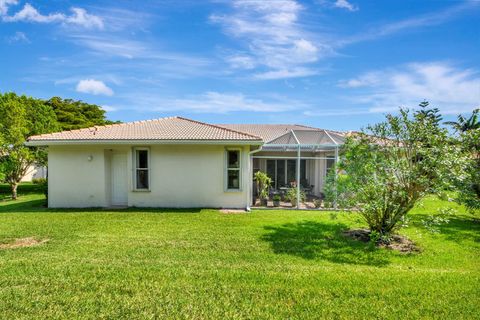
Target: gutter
35, 143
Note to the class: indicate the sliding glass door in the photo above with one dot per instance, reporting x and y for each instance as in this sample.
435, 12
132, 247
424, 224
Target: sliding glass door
283, 172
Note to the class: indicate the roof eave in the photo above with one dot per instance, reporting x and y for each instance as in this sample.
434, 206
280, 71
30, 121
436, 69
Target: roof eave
38, 143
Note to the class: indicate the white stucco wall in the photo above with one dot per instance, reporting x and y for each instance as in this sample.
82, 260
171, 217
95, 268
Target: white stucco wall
73, 180
181, 176
34, 172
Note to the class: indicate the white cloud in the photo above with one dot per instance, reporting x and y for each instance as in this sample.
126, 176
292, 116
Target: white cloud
365, 80
344, 4
273, 37
109, 108
4, 4
18, 37
95, 87
79, 17
425, 20
216, 102
241, 62
285, 74
29, 13
111, 46
451, 89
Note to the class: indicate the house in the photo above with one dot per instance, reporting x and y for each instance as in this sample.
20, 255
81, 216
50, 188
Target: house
35, 172
178, 162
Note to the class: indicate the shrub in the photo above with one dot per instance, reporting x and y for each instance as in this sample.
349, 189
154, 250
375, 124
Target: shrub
396, 163
291, 196
39, 180
337, 190
44, 187
263, 184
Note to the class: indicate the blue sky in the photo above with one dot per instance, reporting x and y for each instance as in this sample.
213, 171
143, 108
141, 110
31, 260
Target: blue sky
334, 64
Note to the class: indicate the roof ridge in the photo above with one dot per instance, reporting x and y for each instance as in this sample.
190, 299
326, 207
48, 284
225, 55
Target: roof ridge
309, 127
220, 127
329, 130
103, 126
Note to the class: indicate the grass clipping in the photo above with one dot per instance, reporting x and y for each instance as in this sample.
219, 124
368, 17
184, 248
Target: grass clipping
22, 243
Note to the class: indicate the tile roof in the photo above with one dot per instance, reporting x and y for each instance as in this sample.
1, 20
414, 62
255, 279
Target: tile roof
270, 132
173, 128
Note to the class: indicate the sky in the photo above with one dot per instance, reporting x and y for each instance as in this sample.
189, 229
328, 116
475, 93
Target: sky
334, 64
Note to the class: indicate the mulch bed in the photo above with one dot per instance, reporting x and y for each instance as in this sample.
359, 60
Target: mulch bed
22, 243
398, 242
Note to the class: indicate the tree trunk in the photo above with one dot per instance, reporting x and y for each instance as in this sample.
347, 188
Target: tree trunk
14, 190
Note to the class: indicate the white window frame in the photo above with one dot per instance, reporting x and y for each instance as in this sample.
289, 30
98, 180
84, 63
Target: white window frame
239, 169
136, 168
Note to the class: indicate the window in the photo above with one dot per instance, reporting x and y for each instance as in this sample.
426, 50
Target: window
281, 174
271, 171
233, 169
291, 171
142, 171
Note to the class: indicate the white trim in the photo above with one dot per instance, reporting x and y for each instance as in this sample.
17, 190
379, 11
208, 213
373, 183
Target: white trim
135, 169
292, 158
226, 169
140, 142
330, 137
295, 136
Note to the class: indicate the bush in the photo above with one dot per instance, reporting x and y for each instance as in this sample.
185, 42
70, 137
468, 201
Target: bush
39, 180
396, 163
292, 196
337, 190
44, 187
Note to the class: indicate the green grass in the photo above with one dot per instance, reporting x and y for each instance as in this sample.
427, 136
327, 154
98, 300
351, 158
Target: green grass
202, 264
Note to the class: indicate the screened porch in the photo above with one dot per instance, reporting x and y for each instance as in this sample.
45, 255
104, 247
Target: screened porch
303, 156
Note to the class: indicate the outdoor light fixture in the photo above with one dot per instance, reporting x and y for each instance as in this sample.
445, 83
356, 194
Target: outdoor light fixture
90, 158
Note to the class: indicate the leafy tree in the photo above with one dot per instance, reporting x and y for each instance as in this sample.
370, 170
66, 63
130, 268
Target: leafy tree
469, 183
73, 114
431, 114
393, 164
465, 124
21, 117
469, 139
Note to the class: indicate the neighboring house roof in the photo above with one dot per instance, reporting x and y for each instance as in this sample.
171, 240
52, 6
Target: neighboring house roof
164, 129
269, 132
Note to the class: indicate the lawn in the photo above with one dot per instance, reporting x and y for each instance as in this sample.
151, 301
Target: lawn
203, 264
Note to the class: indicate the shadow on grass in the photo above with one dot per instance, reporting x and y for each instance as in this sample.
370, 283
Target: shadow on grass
37, 205
24, 205
459, 228
322, 241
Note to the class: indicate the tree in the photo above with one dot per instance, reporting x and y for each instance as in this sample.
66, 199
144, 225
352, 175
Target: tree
73, 114
393, 164
469, 140
465, 124
469, 184
21, 117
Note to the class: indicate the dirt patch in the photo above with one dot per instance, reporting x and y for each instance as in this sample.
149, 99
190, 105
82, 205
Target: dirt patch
22, 243
233, 211
398, 242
